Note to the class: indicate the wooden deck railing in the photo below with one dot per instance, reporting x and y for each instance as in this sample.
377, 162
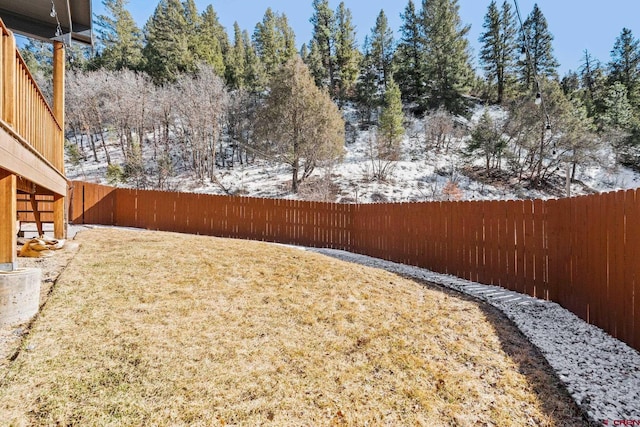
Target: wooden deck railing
24, 111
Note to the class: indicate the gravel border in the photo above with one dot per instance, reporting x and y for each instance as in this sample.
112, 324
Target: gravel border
601, 373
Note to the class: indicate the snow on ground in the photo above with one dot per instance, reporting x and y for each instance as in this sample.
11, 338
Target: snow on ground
601, 373
419, 175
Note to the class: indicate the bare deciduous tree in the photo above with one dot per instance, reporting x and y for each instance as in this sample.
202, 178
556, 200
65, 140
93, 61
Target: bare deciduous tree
440, 130
201, 106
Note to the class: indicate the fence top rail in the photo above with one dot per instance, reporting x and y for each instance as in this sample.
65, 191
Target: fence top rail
337, 205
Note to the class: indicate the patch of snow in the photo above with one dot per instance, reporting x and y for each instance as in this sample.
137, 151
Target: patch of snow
419, 175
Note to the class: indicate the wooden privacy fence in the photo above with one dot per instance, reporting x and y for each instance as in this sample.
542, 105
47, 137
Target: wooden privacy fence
580, 252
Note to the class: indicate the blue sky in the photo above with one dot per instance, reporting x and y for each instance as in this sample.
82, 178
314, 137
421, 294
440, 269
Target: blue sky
576, 24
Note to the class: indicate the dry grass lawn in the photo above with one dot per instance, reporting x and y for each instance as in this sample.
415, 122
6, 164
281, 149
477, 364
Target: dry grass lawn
148, 328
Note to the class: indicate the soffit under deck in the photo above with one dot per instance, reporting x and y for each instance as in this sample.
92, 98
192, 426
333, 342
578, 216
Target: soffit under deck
33, 18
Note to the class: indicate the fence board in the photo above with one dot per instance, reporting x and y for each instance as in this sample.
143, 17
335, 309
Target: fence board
596, 259
563, 289
553, 241
581, 258
519, 281
632, 288
631, 269
477, 263
615, 228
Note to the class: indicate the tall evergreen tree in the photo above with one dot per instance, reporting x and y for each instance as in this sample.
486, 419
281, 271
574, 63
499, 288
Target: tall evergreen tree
367, 89
624, 67
619, 113
382, 49
409, 59
446, 49
254, 78
323, 37
592, 82
384, 148
347, 54
499, 44
314, 61
212, 43
390, 128
236, 62
289, 51
195, 40
274, 40
119, 38
166, 52
537, 43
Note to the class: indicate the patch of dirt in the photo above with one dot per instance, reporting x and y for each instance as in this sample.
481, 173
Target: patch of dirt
51, 267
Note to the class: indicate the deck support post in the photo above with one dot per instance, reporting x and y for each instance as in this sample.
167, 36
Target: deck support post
59, 204
8, 217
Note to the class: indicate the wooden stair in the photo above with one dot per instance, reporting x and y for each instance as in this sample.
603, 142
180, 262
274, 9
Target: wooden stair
34, 209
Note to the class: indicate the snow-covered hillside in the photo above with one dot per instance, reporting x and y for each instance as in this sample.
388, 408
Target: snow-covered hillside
419, 175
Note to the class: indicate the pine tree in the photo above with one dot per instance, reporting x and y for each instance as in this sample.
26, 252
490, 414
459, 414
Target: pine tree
119, 38
274, 40
166, 52
347, 55
382, 49
409, 59
486, 139
211, 41
384, 147
619, 111
537, 41
499, 44
447, 70
255, 79
390, 128
316, 68
299, 125
304, 52
236, 60
322, 39
289, 50
592, 82
570, 84
367, 88
624, 67
195, 40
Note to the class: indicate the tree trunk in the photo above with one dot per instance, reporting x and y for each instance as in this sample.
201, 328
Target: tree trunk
104, 146
540, 161
294, 178
93, 146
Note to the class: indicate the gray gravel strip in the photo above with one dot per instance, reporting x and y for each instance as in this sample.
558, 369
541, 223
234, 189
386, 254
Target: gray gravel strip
601, 373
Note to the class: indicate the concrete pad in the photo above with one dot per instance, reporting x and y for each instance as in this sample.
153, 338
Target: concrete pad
19, 295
